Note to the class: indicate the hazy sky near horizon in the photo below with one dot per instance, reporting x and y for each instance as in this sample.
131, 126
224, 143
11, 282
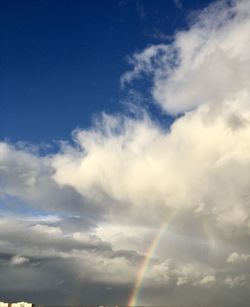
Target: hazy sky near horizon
118, 118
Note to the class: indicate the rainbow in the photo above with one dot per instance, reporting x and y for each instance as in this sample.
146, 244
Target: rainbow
143, 268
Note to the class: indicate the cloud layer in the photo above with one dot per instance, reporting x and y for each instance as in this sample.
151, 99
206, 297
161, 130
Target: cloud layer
84, 217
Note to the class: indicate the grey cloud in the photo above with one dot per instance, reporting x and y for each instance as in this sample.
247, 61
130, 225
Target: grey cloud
44, 252
29, 177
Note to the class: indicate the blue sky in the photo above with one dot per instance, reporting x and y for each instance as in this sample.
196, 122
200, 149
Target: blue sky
61, 61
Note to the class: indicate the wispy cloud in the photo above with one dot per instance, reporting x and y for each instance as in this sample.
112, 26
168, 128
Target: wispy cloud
178, 4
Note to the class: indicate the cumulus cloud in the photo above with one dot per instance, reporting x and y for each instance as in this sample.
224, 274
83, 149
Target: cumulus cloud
95, 206
207, 64
235, 257
236, 281
18, 260
207, 280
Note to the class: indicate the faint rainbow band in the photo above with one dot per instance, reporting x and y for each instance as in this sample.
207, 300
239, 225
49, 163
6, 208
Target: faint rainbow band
143, 268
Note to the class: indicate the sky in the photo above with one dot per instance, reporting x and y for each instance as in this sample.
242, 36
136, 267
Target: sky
124, 152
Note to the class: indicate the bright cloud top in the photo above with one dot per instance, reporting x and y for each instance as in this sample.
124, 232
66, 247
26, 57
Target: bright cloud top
208, 64
124, 177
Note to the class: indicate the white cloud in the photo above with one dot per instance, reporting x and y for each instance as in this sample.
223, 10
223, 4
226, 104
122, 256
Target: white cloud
18, 260
207, 64
236, 281
207, 280
235, 257
199, 161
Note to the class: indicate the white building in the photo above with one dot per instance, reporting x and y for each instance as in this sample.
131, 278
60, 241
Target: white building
2, 304
22, 304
